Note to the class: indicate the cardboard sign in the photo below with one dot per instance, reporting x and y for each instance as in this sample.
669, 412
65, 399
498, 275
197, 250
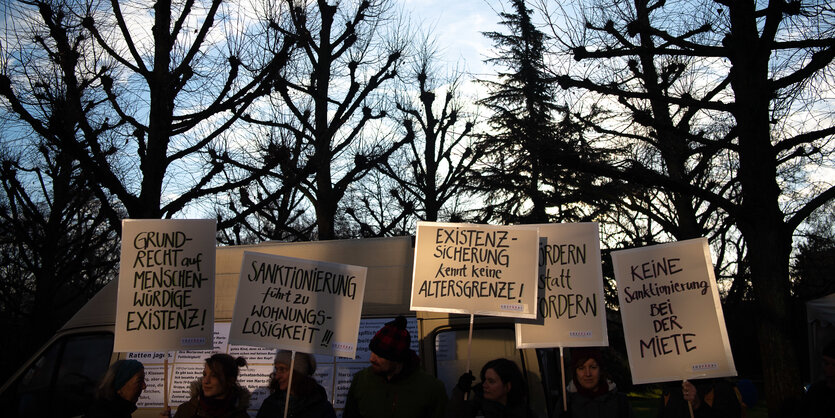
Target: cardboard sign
166, 285
475, 269
571, 311
672, 318
296, 304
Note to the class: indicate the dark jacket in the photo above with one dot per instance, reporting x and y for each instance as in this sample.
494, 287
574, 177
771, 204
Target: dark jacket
199, 406
819, 401
111, 408
718, 397
314, 405
476, 405
611, 404
411, 394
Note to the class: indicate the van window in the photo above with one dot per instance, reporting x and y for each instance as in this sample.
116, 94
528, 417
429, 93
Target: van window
61, 382
487, 344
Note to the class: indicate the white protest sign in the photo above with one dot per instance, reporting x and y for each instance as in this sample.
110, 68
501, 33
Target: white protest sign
570, 311
672, 318
296, 304
475, 269
166, 285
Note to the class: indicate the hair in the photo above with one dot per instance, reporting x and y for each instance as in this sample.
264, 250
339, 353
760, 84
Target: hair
106, 389
301, 385
579, 357
508, 372
226, 368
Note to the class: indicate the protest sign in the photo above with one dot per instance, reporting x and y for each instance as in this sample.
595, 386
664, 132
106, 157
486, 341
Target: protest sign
166, 285
570, 309
672, 318
475, 269
296, 304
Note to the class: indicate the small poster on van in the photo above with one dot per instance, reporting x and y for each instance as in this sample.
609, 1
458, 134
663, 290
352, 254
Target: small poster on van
672, 318
297, 304
571, 311
166, 285
475, 269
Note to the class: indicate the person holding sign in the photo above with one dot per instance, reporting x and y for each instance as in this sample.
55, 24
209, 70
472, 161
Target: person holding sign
119, 390
707, 398
217, 394
591, 394
307, 397
394, 385
502, 393
819, 400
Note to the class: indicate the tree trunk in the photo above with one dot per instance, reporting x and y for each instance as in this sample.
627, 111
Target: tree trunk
761, 219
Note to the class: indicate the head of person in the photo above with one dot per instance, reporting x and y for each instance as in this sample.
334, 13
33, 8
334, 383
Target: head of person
304, 366
124, 379
828, 362
390, 348
220, 375
502, 381
587, 367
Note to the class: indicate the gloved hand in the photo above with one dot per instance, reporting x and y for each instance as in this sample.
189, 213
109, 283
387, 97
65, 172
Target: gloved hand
465, 382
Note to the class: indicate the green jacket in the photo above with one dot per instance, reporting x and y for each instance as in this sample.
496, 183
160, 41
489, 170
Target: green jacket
411, 394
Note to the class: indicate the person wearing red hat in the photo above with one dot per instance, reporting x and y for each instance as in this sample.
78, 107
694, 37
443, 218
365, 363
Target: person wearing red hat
394, 385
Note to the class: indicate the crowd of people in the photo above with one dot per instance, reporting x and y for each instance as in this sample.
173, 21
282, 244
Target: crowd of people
394, 385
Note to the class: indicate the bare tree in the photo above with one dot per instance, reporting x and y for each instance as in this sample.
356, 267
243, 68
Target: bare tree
762, 70
329, 104
172, 85
431, 172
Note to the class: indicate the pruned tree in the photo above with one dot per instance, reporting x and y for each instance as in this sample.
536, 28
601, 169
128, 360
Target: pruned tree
165, 88
328, 106
761, 70
432, 170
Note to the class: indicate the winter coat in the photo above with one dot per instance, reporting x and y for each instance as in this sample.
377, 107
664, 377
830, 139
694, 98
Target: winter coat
477, 406
411, 394
315, 405
196, 406
111, 408
819, 401
611, 404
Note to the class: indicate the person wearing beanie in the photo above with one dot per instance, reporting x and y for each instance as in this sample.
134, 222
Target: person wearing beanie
590, 393
819, 399
119, 390
502, 393
307, 397
217, 394
394, 385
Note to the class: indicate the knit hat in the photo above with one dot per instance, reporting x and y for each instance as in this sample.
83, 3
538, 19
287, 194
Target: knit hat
392, 341
304, 364
125, 371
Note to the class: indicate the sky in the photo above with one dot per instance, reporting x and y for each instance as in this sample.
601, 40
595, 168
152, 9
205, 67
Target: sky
458, 25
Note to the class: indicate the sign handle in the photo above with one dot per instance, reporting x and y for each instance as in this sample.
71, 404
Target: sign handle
469, 350
165, 381
689, 404
289, 382
562, 373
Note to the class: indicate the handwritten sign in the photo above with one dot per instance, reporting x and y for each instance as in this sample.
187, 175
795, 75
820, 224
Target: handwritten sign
672, 318
166, 285
475, 269
296, 304
570, 309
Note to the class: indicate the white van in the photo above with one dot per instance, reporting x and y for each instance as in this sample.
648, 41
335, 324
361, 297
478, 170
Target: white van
60, 379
